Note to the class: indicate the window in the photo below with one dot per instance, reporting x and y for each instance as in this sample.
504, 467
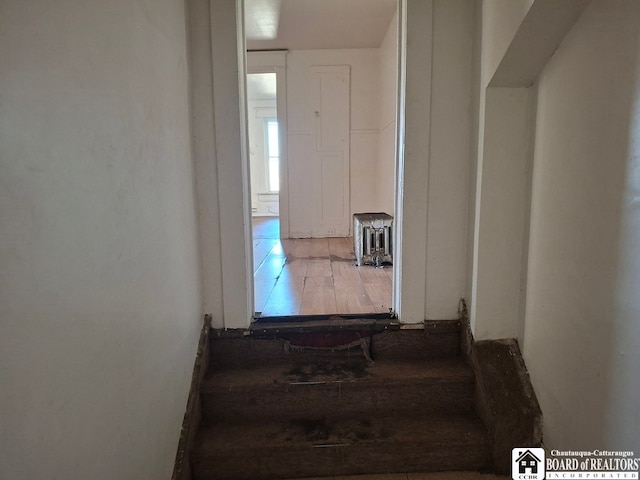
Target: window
273, 155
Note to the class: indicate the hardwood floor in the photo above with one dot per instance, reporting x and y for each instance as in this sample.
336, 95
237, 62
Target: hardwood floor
312, 276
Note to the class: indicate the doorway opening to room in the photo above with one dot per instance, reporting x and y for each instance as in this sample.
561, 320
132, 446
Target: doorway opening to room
322, 124
263, 130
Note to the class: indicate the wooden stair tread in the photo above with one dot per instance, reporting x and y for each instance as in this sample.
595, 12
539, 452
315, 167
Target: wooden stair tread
435, 430
322, 387
321, 447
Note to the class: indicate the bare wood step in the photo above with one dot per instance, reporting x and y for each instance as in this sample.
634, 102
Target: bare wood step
336, 388
322, 447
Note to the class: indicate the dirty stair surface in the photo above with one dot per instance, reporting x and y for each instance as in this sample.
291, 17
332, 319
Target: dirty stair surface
274, 415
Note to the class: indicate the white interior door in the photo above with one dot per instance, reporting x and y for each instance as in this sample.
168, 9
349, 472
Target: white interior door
319, 162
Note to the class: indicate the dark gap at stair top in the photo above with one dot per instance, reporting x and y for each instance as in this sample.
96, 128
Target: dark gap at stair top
330, 317
325, 323
328, 323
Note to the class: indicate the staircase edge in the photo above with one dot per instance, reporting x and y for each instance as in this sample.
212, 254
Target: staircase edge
193, 412
513, 419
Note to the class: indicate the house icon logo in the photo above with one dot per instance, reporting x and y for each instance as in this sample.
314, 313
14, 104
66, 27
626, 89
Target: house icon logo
527, 464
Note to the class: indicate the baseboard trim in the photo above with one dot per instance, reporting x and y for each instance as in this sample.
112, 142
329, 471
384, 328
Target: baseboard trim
192, 415
504, 396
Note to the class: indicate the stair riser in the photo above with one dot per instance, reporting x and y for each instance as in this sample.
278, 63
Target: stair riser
303, 461
334, 399
402, 344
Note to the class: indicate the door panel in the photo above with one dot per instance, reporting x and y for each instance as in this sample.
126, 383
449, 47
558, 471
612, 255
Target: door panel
301, 185
332, 201
319, 160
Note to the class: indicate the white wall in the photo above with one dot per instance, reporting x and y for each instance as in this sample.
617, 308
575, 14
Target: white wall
500, 156
502, 213
100, 304
413, 169
364, 113
581, 342
500, 22
449, 163
223, 159
434, 177
388, 96
506, 125
204, 154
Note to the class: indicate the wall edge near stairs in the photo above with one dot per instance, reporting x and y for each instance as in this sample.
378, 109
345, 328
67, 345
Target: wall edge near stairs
504, 396
192, 415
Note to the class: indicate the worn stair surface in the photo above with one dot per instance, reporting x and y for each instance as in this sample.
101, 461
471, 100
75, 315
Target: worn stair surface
273, 412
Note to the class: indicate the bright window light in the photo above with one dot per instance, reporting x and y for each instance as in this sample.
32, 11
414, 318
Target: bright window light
273, 155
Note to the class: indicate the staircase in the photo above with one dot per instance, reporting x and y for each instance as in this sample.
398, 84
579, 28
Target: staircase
275, 408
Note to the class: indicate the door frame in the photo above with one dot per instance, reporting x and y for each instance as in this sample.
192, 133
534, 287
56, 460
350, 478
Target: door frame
398, 299
275, 61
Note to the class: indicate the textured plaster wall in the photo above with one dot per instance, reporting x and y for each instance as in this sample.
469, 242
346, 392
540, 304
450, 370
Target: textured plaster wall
582, 330
100, 303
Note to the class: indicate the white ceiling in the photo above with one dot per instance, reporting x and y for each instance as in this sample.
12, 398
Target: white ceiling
317, 24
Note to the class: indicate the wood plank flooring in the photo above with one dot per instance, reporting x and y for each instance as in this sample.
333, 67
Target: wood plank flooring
312, 276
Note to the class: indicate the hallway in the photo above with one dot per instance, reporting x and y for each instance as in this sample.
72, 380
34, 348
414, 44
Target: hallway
124, 205
313, 276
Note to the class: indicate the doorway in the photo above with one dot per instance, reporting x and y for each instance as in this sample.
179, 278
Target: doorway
304, 261
264, 145
263, 131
